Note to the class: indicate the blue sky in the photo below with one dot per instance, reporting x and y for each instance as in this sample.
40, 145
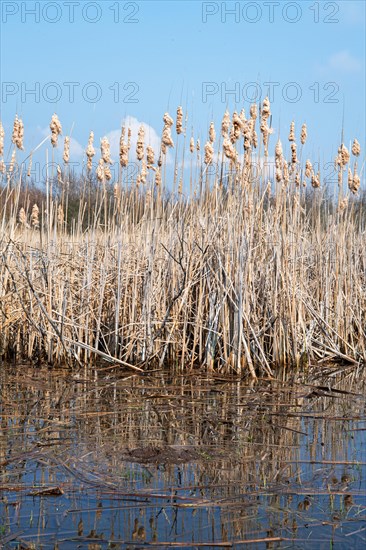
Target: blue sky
96, 63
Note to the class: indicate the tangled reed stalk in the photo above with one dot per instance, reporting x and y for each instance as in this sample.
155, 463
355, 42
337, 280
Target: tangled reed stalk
249, 272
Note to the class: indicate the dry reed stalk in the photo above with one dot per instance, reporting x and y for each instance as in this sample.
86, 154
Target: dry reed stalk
240, 280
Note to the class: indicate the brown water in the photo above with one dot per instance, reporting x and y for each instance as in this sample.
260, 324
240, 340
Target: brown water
102, 459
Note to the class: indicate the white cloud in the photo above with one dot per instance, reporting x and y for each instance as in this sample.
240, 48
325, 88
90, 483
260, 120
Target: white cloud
342, 61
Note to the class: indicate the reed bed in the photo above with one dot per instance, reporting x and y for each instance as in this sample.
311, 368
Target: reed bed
227, 261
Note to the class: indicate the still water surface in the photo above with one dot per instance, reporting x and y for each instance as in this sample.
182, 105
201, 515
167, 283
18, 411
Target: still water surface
102, 459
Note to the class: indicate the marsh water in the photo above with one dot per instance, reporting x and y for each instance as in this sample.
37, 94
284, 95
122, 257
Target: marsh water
102, 459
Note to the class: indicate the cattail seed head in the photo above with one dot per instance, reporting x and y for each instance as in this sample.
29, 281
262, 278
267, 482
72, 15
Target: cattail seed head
140, 143
225, 124
166, 139
124, 148
278, 150
191, 145
308, 168
179, 123
198, 145
66, 155
143, 172
90, 151
315, 180
304, 134
100, 170
212, 133
209, 151
354, 181
253, 111
150, 155
22, 217
105, 150
56, 129
35, 217
291, 136
266, 109
229, 150
157, 177
343, 205
107, 172
293, 153
18, 132
343, 156
356, 148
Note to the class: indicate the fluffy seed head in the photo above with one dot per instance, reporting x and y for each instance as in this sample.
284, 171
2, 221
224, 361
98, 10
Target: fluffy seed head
356, 148
225, 124
140, 143
308, 168
56, 129
66, 155
124, 148
100, 170
209, 151
179, 123
90, 151
291, 136
35, 217
212, 133
166, 139
315, 179
105, 150
229, 150
18, 132
191, 145
304, 134
343, 156
22, 217
150, 155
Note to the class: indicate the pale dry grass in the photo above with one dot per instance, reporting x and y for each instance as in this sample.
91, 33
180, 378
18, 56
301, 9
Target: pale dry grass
242, 275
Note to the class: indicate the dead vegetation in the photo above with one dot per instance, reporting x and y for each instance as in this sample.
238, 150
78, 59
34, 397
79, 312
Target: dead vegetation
227, 262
